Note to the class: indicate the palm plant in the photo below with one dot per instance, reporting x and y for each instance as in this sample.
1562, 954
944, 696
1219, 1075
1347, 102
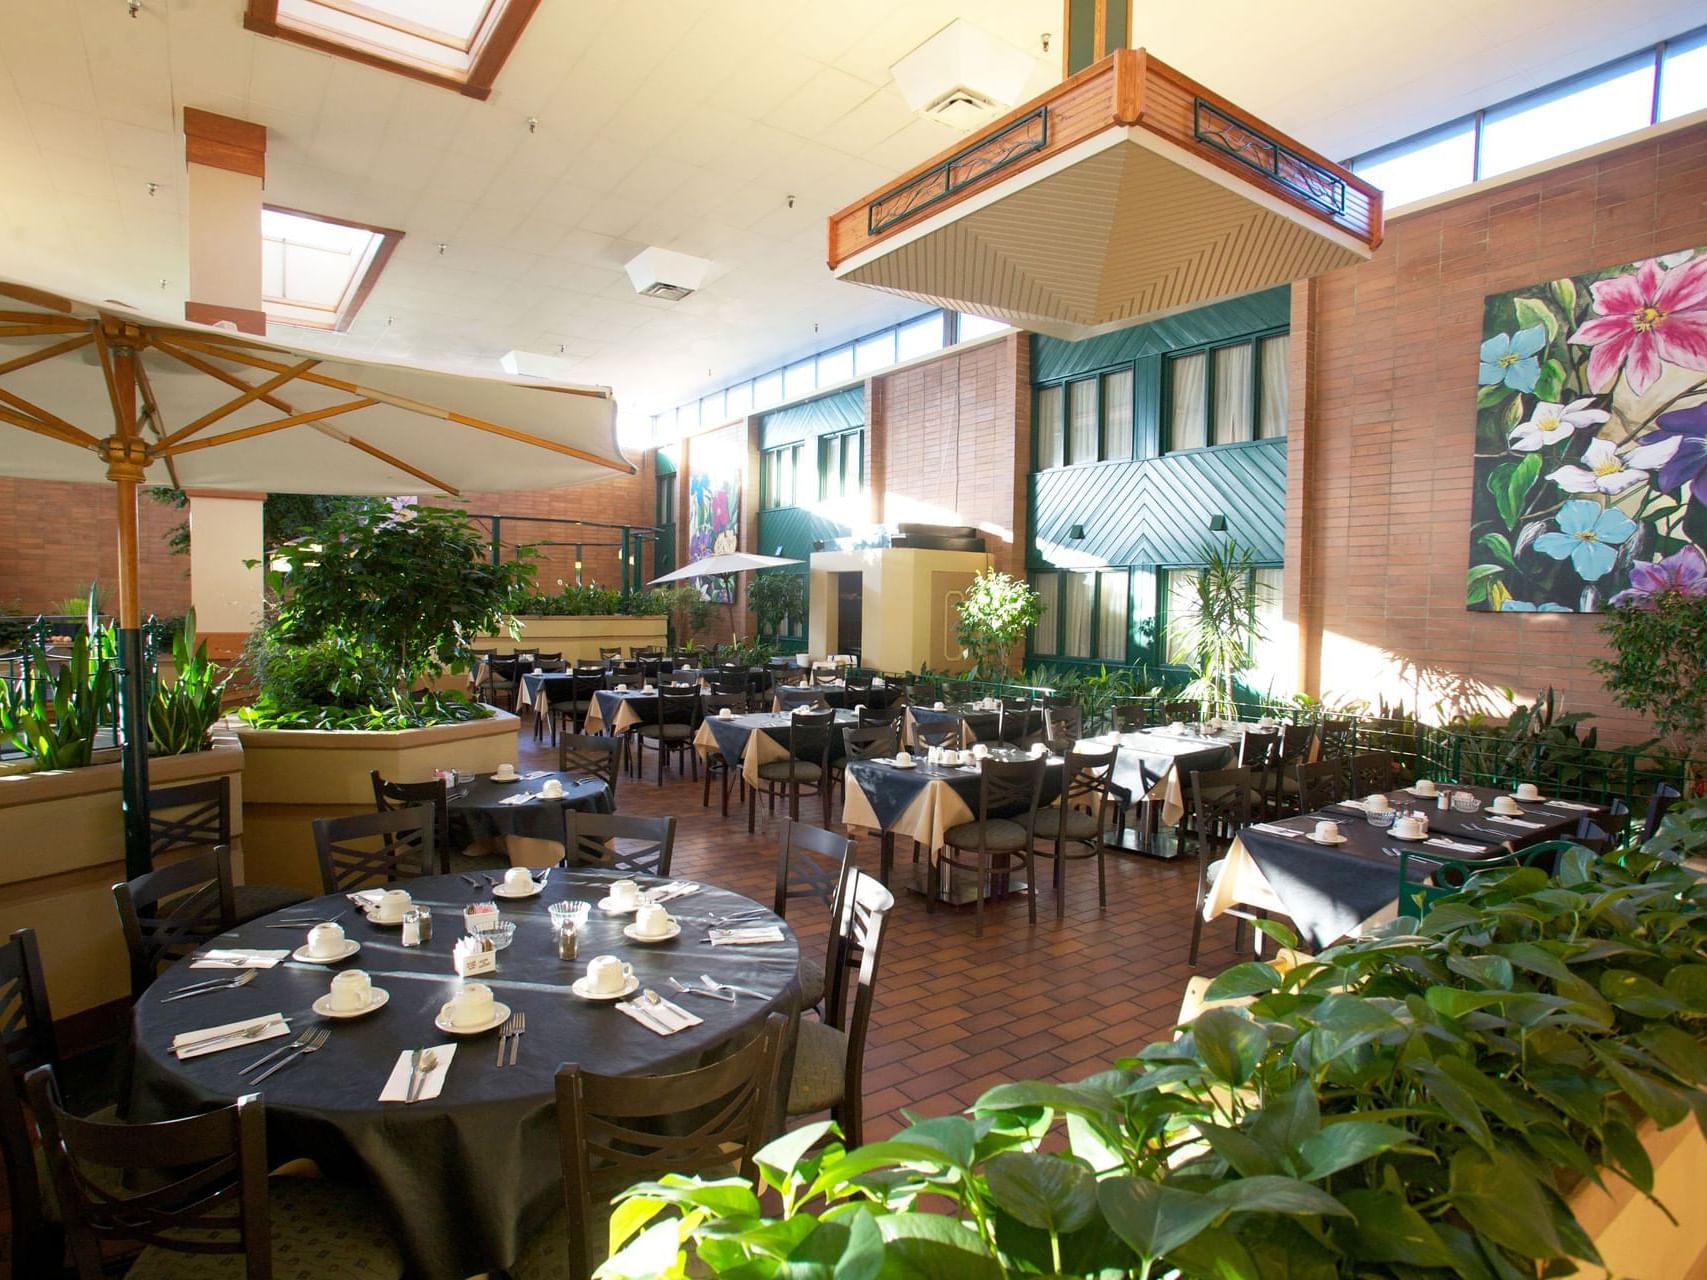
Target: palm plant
1220, 627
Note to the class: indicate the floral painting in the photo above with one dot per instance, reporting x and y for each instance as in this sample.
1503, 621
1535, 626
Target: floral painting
1591, 439
714, 501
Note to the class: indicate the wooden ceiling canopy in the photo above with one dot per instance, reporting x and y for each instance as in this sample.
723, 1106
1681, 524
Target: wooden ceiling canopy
1126, 192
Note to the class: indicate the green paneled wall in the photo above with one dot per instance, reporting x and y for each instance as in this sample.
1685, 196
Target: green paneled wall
1054, 358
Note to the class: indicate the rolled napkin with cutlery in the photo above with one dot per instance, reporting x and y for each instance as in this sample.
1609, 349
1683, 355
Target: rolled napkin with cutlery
537, 773
659, 1016
521, 797
746, 937
1456, 846
674, 889
419, 1075
220, 958
1572, 805
1273, 830
193, 1044
1516, 822
367, 899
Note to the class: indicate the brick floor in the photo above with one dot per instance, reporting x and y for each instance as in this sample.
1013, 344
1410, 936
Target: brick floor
956, 1014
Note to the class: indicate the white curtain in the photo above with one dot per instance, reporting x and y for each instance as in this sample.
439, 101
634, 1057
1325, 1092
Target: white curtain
1182, 604
1117, 414
1187, 426
1274, 356
1076, 614
1111, 615
1050, 440
1233, 394
1082, 420
1048, 587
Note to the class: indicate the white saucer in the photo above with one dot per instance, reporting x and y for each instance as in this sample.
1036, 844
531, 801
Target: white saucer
373, 917
499, 1013
1496, 813
1341, 839
376, 1000
350, 947
580, 988
514, 777
605, 904
1397, 836
1527, 800
1425, 795
502, 890
911, 764
632, 932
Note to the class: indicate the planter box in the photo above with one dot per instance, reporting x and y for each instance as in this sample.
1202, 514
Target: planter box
293, 776
63, 836
1633, 1236
581, 637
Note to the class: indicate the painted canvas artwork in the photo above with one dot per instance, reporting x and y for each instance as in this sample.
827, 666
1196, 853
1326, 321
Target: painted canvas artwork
714, 501
1591, 440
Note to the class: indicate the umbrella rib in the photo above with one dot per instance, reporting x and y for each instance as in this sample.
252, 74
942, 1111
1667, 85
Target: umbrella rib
151, 407
101, 349
401, 465
233, 405
171, 450
47, 419
214, 371
47, 353
80, 438
36, 330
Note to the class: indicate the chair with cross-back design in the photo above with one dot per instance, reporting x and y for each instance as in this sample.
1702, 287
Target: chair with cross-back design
813, 863
1320, 784
948, 732
1371, 772
1127, 717
390, 796
999, 842
196, 817
591, 755
617, 1130
806, 766
1073, 828
26, 1029
372, 849
619, 842
1222, 800
167, 914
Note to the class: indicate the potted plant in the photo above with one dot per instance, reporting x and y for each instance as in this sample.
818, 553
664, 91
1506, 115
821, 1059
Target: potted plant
991, 618
579, 619
182, 713
1220, 627
773, 599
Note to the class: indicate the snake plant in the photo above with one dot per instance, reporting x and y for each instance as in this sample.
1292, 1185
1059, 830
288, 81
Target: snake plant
52, 716
180, 714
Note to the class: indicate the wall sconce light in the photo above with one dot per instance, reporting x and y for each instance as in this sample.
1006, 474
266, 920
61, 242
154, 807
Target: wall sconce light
1077, 533
817, 544
1218, 523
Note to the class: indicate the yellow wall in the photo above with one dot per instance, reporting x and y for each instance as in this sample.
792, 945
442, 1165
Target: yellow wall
908, 597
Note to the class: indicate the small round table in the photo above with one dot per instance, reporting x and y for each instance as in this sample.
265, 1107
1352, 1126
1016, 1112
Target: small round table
479, 806
465, 1175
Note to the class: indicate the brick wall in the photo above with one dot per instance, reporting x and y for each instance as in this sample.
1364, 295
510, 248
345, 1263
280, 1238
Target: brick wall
57, 538
1379, 525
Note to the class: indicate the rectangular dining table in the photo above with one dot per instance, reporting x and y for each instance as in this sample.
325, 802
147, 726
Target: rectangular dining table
748, 741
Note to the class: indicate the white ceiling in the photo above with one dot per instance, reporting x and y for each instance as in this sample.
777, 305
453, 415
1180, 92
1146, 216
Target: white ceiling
679, 123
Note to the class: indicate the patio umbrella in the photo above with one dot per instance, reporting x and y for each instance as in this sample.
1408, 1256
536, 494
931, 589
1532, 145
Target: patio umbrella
724, 566
102, 389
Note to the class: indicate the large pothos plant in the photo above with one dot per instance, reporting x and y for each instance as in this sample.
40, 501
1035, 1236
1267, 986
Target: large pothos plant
1416, 1105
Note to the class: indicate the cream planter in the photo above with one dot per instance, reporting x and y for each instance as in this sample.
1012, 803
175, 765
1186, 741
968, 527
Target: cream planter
62, 850
1634, 1237
293, 776
581, 637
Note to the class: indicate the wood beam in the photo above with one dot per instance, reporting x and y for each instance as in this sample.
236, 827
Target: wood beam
151, 408
47, 353
43, 416
385, 457
171, 450
214, 371
41, 428
232, 406
39, 329
224, 142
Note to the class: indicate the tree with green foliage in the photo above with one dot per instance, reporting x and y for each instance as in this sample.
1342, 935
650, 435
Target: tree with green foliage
993, 617
1658, 666
1220, 627
775, 597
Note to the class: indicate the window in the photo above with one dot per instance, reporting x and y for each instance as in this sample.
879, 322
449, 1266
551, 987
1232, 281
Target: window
1051, 437
767, 390
1683, 76
1048, 588
1602, 104
1117, 414
841, 465
738, 400
666, 490
1181, 588
1076, 589
1426, 165
973, 327
711, 409
459, 44
1266, 672
835, 366
874, 353
1082, 420
1220, 397
800, 379
919, 337
1112, 609
315, 271
1085, 614
779, 471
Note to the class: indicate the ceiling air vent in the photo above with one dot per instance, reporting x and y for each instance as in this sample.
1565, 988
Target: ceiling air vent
663, 273
963, 76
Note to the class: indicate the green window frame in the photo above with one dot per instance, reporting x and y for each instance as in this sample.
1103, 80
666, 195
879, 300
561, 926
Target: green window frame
666, 501
1226, 393
1265, 583
779, 476
1087, 614
841, 464
1086, 419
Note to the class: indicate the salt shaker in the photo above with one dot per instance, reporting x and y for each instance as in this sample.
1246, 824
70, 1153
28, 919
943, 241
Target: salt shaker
567, 943
417, 926
1443, 802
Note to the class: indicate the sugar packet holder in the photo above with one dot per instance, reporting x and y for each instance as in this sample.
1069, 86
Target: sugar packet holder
474, 955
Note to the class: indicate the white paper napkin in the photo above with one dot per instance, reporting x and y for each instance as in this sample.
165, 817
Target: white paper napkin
232, 959
663, 1018
367, 898
537, 773
1273, 830
193, 1044
1570, 804
521, 797
397, 1084
675, 889
746, 937
1359, 805
1518, 822
1441, 842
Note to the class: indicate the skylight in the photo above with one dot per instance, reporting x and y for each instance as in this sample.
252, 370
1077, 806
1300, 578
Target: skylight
316, 272
461, 44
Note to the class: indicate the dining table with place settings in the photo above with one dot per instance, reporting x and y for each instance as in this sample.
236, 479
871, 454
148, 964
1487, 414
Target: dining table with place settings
982, 722
484, 807
1156, 764
1335, 890
757, 738
835, 693
471, 1167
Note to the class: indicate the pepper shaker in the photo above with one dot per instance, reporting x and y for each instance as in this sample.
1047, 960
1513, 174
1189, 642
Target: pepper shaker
567, 943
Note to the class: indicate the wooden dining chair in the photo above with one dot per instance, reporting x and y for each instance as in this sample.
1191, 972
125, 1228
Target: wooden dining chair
1000, 840
829, 1056
1127, 717
1371, 771
793, 698
1295, 743
1065, 722
371, 849
806, 767
1659, 804
591, 755
195, 1194
1339, 735
1179, 712
1320, 785
1259, 751
555, 707
948, 732
813, 863
391, 796
923, 693
671, 732
26, 1029
1078, 820
618, 842
167, 914
196, 816
614, 1131
1221, 804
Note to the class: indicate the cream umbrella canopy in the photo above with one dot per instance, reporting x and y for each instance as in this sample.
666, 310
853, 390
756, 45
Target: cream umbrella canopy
727, 566
97, 389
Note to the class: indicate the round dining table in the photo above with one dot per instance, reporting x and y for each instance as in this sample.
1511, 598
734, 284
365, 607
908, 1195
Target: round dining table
466, 1175
480, 809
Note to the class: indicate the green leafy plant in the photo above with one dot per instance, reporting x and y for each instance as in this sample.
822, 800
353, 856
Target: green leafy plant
177, 538
688, 609
993, 616
1096, 692
52, 716
1658, 665
180, 714
402, 711
774, 598
1220, 627
1412, 1105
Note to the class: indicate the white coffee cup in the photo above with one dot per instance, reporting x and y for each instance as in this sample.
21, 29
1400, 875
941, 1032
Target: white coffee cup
625, 893
1328, 830
1178, 726
1377, 803
351, 991
325, 939
1424, 787
652, 921
606, 974
471, 1006
1407, 828
394, 904
504, 771
622, 688
903, 757
1505, 804
979, 750
937, 706
1528, 791
1038, 750
551, 789
725, 713
518, 880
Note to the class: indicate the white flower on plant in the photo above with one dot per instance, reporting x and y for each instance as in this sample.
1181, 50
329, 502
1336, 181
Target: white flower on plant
1551, 423
1602, 471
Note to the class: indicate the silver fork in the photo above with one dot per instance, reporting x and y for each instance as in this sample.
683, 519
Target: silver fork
504, 1037
521, 1025
701, 991
315, 1043
298, 1043
207, 988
